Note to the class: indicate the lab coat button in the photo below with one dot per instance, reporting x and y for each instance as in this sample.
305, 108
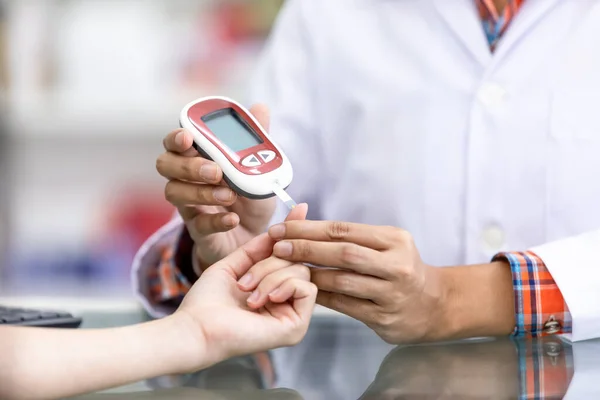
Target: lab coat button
491, 94
493, 238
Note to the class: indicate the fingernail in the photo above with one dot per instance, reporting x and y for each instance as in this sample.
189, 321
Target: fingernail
229, 220
179, 138
246, 279
223, 194
283, 249
277, 231
209, 171
254, 297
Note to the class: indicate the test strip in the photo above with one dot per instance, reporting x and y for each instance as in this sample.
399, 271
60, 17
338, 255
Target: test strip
283, 196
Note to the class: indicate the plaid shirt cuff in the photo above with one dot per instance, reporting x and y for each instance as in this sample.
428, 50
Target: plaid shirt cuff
540, 308
545, 368
174, 275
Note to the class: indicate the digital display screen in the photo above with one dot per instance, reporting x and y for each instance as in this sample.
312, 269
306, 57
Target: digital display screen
232, 130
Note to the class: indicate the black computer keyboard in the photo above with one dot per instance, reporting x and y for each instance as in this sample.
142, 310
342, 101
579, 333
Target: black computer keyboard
28, 317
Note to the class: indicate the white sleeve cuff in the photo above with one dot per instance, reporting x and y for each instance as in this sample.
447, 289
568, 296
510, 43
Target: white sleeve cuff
148, 257
574, 263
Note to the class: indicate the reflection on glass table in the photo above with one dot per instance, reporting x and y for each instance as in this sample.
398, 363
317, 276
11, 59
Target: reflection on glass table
343, 359
480, 369
544, 368
199, 394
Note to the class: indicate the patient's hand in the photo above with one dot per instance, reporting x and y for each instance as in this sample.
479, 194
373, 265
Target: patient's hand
263, 279
227, 321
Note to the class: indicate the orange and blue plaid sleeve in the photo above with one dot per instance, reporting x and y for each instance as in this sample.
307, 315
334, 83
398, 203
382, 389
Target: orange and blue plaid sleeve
540, 308
174, 275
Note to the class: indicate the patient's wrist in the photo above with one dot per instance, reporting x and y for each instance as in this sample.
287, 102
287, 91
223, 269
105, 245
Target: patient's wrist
186, 334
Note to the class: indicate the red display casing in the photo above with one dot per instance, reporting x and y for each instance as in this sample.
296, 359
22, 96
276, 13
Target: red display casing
200, 110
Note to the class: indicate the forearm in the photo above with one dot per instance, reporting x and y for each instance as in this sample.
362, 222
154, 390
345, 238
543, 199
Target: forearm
53, 363
480, 301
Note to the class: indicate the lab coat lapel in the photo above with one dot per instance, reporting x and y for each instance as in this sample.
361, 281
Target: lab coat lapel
463, 19
531, 13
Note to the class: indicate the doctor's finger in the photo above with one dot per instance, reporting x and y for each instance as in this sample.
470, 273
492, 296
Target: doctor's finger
181, 193
181, 142
351, 284
375, 237
348, 256
359, 309
206, 224
262, 115
191, 169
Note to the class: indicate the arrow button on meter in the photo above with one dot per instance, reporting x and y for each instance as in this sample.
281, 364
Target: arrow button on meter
267, 155
251, 161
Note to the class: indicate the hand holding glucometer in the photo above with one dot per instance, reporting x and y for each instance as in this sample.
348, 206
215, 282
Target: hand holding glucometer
223, 172
228, 134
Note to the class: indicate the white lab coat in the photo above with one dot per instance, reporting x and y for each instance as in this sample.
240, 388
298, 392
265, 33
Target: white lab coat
396, 113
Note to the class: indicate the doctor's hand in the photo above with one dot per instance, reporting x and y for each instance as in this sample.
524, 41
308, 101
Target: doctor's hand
219, 315
381, 280
217, 219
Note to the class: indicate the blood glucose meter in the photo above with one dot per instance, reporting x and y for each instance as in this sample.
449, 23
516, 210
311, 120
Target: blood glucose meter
228, 134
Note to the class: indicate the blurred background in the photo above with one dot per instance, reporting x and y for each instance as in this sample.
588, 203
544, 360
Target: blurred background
88, 89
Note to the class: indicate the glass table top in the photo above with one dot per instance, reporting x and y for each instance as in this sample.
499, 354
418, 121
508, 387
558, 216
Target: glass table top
342, 359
